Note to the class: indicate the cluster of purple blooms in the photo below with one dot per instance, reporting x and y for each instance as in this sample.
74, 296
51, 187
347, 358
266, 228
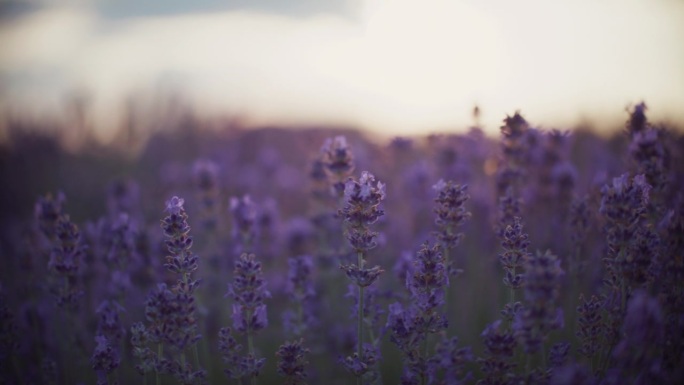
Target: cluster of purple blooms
532, 258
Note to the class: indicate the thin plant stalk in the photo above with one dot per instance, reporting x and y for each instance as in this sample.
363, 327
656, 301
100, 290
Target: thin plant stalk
359, 348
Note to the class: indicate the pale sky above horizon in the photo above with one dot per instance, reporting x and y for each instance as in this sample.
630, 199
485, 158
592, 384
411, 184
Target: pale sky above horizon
396, 67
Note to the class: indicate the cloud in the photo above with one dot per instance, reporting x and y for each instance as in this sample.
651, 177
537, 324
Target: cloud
401, 65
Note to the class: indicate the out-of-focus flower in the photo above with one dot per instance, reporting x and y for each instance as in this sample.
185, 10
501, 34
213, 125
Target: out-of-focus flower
451, 213
450, 358
47, 211
638, 355
176, 229
572, 374
497, 365
637, 121
630, 242
300, 288
104, 359
540, 313
205, 176
337, 157
292, 362
515, 254
591, 325
410, 326
248, 290
245, 213
123, 196
66, 262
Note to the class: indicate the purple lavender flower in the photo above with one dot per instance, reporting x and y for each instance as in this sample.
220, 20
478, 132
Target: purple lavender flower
540, 313
66, 262
514, 148
160, 309
171, 318
140, 340
121, 243
244, 222
450, 359
238, 365
171, 313
623, 204
515, 255
510, 207
363, 365
591, 325
579, 220
410, 326
123, 196
105, 359
362, 199
650, 157
205, 173
630, 242
558, 354
637, 119
428, 279
638, 356
248, 292
497, 366
181, 260
292, 362
109, 324
300, 288
338, 161
47, 212
451, 214
671, 267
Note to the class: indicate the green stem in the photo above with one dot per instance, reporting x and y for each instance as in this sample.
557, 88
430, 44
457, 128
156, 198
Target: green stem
513, 290
160, 354
194, 346
445, 255
359, 348
250, 347
423, 375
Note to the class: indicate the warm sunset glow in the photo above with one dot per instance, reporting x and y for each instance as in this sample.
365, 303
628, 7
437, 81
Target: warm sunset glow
400, 66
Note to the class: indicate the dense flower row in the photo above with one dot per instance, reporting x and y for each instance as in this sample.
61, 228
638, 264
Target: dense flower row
456, 260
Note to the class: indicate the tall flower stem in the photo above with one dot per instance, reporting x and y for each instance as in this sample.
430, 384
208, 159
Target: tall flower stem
361, 201
194, 346
250, 347
160, 353
359, 347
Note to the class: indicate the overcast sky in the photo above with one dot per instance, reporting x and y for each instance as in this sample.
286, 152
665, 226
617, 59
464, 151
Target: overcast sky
401, 66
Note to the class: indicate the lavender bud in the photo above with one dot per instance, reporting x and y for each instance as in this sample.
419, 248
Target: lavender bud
248, 290
451, 212
292, 362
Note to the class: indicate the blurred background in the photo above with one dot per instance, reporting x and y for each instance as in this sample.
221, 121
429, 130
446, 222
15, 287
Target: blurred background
90, 68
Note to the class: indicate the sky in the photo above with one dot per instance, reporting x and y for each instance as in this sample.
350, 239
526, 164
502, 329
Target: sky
397, 67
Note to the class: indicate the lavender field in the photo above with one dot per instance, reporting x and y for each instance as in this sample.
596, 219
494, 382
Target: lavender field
280, 256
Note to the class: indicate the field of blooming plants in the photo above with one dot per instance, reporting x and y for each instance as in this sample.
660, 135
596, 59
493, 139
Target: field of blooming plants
319, 257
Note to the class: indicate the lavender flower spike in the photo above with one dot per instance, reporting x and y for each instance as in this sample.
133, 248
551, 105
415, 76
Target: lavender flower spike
248, 292
292, 362
181, 260
451, 214
361, 209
